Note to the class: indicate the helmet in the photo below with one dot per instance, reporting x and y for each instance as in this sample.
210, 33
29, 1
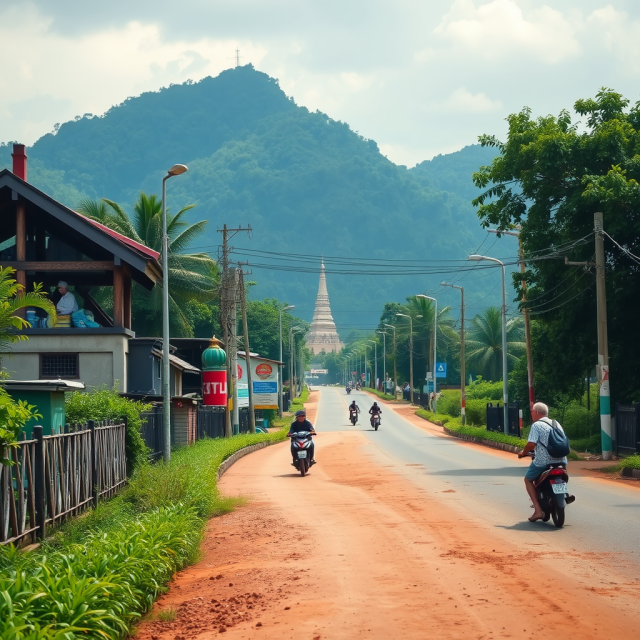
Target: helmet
301, 412
375, 404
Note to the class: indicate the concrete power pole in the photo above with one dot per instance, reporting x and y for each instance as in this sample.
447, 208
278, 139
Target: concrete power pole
603, 341
247, 350
232, 348
227, 297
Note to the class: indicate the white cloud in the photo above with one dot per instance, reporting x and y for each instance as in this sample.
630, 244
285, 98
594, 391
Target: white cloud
501, 28
464, 101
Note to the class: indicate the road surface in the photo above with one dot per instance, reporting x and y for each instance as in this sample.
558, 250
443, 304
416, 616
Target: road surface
402, 533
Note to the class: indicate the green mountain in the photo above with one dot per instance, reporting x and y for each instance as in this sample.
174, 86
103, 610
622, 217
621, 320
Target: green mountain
306, 184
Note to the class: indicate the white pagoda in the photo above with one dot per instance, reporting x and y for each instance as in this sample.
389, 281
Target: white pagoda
323, 334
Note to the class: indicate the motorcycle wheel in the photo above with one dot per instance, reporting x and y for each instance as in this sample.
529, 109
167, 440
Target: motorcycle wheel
557, 514
302, 465
376, 426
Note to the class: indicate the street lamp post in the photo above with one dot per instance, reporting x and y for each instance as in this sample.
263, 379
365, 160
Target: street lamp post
384, 356
280, 366
176, 170
294, 372
435, 342
404, 315
463, 394
505, 378
375, 363
395, 358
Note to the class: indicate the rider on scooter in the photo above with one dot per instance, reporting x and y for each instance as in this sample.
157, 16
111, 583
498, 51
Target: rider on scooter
302, 424
538, 439
375, 411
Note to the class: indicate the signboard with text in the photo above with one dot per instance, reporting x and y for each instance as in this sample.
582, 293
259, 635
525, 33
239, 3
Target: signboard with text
264, 380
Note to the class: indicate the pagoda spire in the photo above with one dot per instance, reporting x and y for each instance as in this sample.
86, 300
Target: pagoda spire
322, 333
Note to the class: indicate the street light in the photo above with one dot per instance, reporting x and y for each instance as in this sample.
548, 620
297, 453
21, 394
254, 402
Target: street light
287, 308
463, 393
395, 358
384, 356
404, 315
176, 170
435, 359
375, 362
505, 380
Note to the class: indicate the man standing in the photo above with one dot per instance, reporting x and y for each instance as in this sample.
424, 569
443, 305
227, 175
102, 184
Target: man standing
538, 441
67, 303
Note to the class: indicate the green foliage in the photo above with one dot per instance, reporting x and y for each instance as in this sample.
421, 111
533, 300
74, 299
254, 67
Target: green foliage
13, 298
551, 175
449, 403
103, 571
14, 414
481, 388
298, 403
632, 462
380, 394
192, 276
107, 404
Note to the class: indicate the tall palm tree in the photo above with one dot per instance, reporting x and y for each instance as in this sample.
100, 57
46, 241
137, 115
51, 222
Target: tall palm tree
484, 343
192, 276
13, 298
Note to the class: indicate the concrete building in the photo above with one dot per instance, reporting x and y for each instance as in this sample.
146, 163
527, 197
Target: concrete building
322, 334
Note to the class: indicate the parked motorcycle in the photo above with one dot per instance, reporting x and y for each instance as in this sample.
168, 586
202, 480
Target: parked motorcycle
353, 416
553, 491
301, 444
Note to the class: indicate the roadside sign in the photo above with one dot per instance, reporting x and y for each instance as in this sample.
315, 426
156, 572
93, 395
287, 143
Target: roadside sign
441, 370
428, 387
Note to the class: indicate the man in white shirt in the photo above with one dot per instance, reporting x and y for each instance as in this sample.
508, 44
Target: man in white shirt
538, 440
67, 303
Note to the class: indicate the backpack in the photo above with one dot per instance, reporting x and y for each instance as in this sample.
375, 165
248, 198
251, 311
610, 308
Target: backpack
558, 443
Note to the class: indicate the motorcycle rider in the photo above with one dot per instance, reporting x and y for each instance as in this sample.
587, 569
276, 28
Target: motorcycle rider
302, 424
353, 407
375, 411
538, 439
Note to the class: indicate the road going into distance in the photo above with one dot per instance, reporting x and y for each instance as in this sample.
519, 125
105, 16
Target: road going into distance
405, 533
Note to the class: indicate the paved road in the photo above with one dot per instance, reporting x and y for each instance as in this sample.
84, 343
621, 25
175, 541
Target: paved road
488, 487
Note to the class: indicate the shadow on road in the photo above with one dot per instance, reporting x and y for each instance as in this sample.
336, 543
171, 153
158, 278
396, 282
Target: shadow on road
538, 527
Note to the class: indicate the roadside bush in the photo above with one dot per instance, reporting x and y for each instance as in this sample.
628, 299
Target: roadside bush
449, 402
480, 389
14, 414
108, 404
380, 394
476, 411
632, 462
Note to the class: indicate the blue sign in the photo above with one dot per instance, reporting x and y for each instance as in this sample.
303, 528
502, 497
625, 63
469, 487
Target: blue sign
441, 370
428, 387
265, 387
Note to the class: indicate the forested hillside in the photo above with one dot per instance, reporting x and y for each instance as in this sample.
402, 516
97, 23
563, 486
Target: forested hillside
307, 184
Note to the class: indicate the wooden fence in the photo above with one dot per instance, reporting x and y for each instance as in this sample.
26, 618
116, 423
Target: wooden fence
55, 477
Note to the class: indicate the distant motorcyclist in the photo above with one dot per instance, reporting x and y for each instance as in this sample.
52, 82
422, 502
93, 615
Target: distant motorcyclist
353, 407
298, 425
375, 411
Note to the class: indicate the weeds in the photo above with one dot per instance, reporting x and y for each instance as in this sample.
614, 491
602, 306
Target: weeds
167, 615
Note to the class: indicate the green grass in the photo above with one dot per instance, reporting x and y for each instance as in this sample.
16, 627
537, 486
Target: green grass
380, 394
167, 615
101, 572
298, 403
455, 424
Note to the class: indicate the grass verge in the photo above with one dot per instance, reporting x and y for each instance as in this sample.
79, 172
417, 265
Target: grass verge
380, 394
101, 572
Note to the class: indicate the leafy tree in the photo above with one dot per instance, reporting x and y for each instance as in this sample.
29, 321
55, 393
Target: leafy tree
551, 175
192, 276
483, 346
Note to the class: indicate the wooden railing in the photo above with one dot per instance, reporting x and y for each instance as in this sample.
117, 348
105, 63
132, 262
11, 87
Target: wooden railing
55, 477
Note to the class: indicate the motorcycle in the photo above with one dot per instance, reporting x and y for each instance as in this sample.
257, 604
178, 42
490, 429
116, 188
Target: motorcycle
553, 492
353, 416
348, 390
375, 421
301, 444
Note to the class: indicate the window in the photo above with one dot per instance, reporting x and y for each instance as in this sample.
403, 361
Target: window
59, 365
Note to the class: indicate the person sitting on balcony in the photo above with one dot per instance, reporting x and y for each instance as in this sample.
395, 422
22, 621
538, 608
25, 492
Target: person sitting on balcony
67, 303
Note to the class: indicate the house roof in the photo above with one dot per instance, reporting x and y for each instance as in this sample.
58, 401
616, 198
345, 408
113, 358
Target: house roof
42, 385
146, 268
178, 363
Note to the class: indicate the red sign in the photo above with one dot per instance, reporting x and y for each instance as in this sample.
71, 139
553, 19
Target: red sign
239, 372
264, 370
214, 388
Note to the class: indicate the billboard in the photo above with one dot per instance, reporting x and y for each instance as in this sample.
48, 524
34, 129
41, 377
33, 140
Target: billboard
264, 379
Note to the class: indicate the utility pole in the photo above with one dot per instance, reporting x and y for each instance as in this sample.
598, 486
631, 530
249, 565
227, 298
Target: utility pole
603, 341
232, 348
247, 350
395, 358
227, 299
463, 393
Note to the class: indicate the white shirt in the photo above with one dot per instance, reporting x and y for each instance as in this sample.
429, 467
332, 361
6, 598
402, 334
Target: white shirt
539, 434
67, 304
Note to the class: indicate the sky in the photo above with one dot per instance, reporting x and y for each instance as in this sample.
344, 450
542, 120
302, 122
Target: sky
420, 77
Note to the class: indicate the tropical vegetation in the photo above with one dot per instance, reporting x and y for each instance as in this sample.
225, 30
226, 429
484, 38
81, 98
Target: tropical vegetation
193, 277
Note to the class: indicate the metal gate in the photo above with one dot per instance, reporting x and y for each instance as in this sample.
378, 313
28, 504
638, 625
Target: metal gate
210, 422
495, 418
627, 429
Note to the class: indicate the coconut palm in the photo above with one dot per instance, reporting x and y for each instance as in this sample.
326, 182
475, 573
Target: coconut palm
13, 298
192, 276
484, 343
